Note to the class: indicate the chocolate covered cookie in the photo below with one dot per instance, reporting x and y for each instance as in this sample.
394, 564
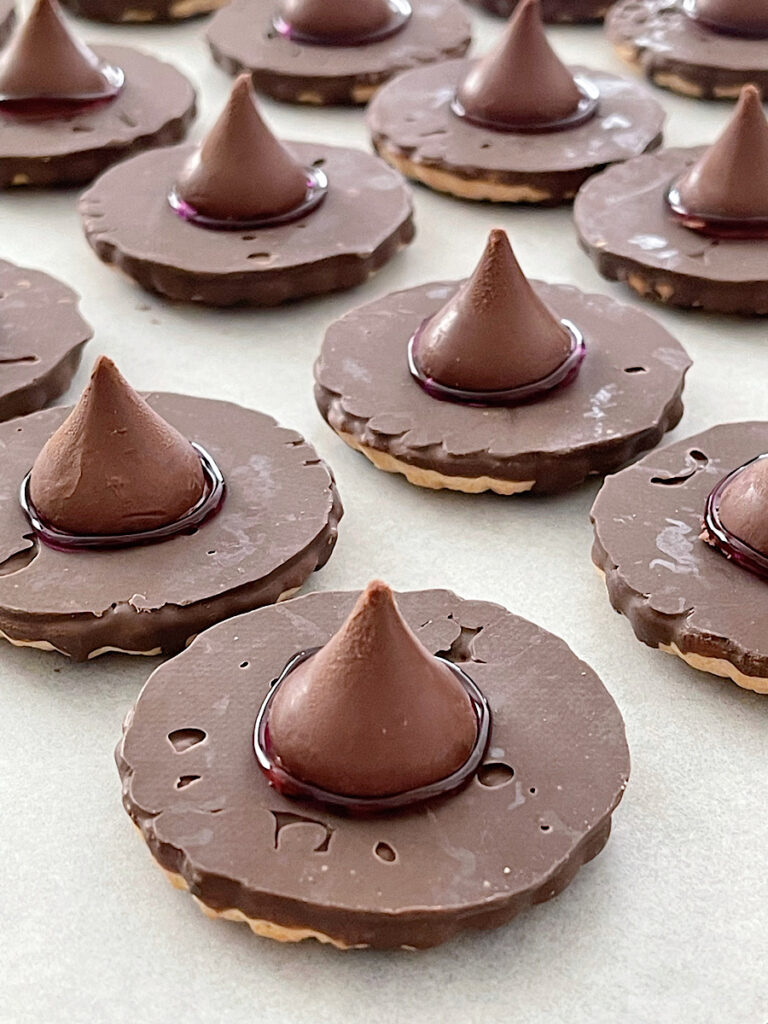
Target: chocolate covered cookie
687, 227
41, 339
67, 111
454, 714
556, 11
141, 11
708, 49
244, 219
333, 51
682, 539
497, 383
517, 126
131, 524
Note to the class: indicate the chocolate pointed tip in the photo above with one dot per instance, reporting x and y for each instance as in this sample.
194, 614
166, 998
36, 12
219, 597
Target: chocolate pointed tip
376, 594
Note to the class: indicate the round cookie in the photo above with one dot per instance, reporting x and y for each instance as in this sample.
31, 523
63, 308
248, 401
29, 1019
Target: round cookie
242, 38
277, 523
153, 106
361, 221
555, 11
517, 126
626, 395
687, 227
679, 593
679, 53
41, 339
294, 870
141, 11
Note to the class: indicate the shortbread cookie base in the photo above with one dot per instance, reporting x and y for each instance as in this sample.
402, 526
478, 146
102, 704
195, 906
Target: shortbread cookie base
433, 480
676, 82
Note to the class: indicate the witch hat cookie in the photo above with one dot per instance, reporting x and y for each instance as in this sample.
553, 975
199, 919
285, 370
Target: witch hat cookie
707, 49
701, 544
489, 384
516, 125
68, 111
333, 51
133, 522
42, 336
705, 210
219, 223
292, 734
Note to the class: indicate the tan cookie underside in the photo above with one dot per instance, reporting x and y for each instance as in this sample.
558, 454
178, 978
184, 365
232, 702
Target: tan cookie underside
433, 480
715, 666
676, 83
180, 10
360, 94
479, 188
45, 645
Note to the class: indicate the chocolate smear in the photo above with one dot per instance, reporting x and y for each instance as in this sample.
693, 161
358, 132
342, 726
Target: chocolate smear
114, 466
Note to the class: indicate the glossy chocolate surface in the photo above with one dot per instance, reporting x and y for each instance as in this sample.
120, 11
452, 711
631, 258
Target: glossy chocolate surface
673, 587
277, 525
41, 339
415, 877
364, 220
627, 394
242, 38
625, 225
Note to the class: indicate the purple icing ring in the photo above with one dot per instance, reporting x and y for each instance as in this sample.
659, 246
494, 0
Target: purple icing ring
722, 539
585, 110
399, 18
712, 224
317, 189
563, 375
208, 505
291, 786
65, 106
689, 7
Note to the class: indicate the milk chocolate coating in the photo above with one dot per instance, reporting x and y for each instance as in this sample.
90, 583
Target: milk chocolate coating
45, 59
494, 333
412, 117
141, 11
743, 506
41, 339
241, 171
335, 19
673, 587
372, 713
114, 466
677, 52
739, 17
241, 38
731, 178
154, 108
521, 79
363, 221
556, 769
625, 226
565, 11
627, 394
277, 524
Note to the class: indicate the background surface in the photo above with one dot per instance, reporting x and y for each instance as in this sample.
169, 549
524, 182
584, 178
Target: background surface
668, 924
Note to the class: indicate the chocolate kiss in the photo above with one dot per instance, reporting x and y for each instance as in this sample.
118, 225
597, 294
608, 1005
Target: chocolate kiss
731, 178
521, 80
744, 506
45, 60
495, 333
740, 17
336, 19
241, 171
114, 466
373, 713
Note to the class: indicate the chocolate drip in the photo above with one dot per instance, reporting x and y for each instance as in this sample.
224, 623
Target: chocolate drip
372, 713
495, 333
521, 83
726, 190
45, 61
748, 18
114, 466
